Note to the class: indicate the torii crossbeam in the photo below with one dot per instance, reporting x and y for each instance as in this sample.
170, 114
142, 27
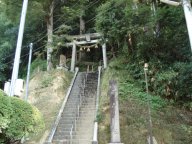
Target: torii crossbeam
83, 40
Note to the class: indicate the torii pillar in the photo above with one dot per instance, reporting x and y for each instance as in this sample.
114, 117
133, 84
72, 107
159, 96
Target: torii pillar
104, 55
73, 59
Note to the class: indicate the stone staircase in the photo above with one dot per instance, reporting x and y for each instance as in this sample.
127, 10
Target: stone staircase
77, 120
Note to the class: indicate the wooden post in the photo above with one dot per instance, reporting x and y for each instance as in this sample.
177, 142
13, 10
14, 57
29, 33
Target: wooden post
104, 55
73, 57
114, 108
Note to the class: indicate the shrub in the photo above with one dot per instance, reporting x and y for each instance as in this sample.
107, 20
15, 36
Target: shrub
183, 84
18, 119
37, 65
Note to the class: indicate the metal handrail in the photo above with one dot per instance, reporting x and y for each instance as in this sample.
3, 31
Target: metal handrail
50, 138
78, 110
71, 134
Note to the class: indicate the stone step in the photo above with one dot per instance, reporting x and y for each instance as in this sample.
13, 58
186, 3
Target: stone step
80, 141
82, 118
79, 123
61, 137
84, 124
92, 107
80, 112
75, 135
84, 102
84, 97
81, 108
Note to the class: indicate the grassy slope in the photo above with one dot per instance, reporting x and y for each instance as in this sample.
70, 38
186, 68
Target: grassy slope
46, 92
171, 125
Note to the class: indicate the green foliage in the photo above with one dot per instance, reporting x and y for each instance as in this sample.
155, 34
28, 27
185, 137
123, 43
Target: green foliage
5, 112
163, 83
118, 23
99, 117
129, 90
46, 81
7, 33
18, 119
131, 87
138, 36
36, 66
183, 81
38, 63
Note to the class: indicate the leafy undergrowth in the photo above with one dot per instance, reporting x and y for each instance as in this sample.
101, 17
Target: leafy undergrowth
18, 119
171, 125
47, 91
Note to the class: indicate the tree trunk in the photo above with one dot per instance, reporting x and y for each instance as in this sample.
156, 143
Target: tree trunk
82, 25
50, 36
82, 31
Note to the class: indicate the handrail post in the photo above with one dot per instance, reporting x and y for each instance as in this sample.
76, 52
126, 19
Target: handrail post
71, 135
86, 75
78, 111
80, 101
75, 124
83, 84
84, 87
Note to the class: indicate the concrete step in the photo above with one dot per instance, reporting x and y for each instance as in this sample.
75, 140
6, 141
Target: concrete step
83, 128
84, 107
83, 102
83, 97
80, 141
77, 119
79, 123
75, 112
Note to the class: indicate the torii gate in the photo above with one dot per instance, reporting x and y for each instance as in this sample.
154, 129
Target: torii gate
93, 38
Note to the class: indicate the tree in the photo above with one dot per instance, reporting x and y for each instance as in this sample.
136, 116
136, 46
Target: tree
132, 32
8, 34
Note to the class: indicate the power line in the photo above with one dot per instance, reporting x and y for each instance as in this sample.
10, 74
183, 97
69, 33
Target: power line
55, 28
38, 39
94, 18
36, 50
54, 31
91, 4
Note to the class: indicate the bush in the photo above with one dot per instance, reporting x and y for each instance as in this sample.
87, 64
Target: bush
183, 83
36, 65
18, 119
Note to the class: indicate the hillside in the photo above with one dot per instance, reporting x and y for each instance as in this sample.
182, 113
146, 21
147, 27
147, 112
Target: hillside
47, 91
171, 124
119, 35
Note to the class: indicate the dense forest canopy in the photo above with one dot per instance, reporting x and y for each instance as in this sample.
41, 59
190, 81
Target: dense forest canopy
135, 33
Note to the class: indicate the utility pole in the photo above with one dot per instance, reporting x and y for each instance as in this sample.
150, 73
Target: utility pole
188, 17
188, 14
28, 70
18, 48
